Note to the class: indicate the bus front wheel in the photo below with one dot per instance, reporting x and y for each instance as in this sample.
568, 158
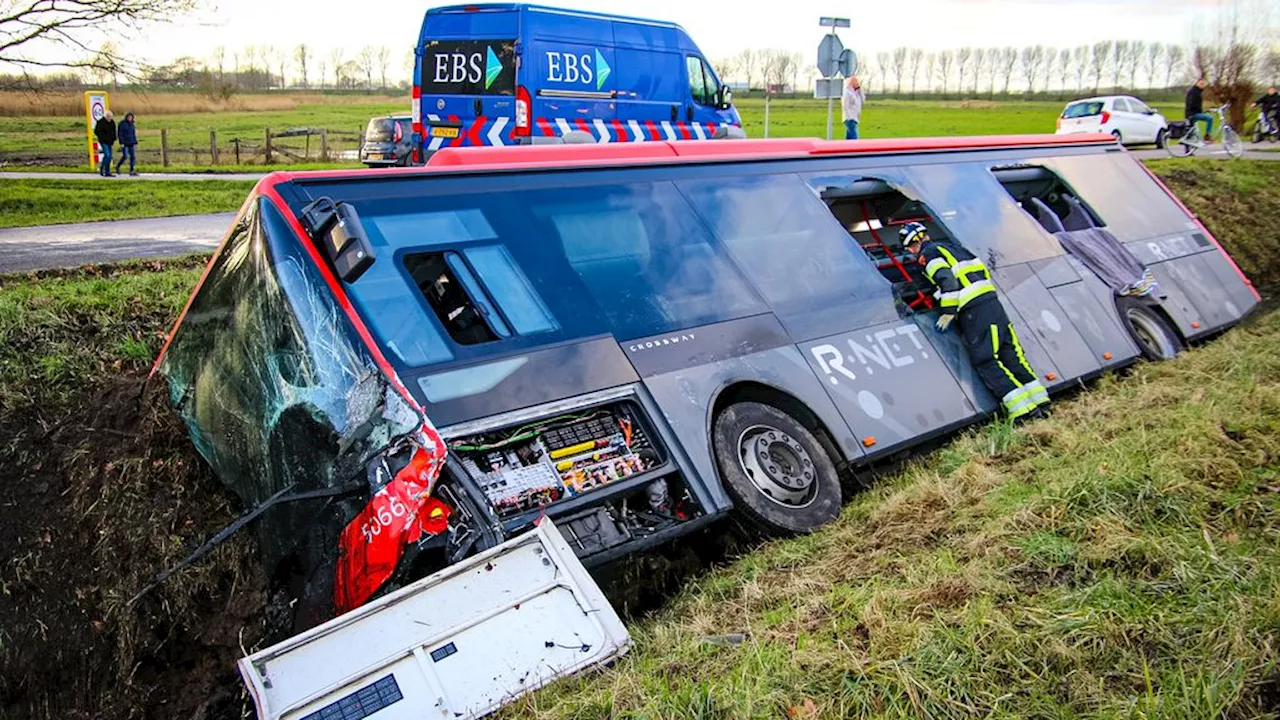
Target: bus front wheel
776, 471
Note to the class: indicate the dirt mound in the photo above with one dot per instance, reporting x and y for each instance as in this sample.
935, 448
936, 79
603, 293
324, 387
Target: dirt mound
92, 504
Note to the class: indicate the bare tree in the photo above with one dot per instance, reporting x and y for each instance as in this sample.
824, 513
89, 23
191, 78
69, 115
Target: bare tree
1080, 56
884, 60
1007, 65
899, 66
747, 64
367, 59
914, 57
946, 62
964, 61
726, 67
63, 30
1173, 59
980, 61
300, 55
219, 59
1098, 60
1229, 70
384, 59
1064, 68
1133, 57
1046, 69
930, 68
1032, 58
1151, 63
335, 62
320, 67
1120, 56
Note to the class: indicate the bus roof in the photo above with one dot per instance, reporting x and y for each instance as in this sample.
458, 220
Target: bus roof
570, 157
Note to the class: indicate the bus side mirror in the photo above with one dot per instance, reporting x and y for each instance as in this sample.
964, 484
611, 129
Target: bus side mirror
336, 227
724, 98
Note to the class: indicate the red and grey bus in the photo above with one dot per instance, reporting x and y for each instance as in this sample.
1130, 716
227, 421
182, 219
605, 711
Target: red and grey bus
409, 366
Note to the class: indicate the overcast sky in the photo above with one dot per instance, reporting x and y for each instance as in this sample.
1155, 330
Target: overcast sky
720, 28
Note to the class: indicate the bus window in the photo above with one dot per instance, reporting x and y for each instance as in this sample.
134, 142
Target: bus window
645, 258
1043, 195
460, 305
873, 213
787, 244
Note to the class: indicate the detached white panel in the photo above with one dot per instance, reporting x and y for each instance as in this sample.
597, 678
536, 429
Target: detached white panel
458, 644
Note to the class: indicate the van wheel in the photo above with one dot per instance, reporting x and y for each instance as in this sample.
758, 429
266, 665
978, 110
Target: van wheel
1157, 340
775, 470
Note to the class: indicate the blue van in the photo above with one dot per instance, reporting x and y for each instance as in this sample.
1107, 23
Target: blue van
507, 74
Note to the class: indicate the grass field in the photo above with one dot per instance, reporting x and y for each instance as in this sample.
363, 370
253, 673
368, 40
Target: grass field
60, 140
49, 202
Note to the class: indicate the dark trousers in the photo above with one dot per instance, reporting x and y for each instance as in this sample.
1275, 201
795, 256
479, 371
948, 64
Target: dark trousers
997, 356
130, 153
104, 166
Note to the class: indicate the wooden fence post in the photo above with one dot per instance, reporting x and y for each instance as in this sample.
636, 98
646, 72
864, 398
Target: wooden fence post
213, 146
324, 144
164, 147
267, 145
236, 143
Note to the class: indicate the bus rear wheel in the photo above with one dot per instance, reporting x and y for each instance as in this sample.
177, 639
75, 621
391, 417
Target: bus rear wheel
1155, 338
778, 474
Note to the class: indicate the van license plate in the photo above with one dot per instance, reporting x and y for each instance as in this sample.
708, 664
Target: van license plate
444, 132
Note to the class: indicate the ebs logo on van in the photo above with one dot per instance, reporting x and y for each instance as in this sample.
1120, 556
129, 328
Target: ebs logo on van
518, 74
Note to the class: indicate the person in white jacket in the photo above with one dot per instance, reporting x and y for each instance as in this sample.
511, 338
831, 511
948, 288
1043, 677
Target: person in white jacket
851, 107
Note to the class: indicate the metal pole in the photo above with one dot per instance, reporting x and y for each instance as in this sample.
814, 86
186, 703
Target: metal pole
766, 112
830, 100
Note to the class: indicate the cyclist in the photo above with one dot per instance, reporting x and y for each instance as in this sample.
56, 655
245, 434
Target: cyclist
1269, 106
1194, 108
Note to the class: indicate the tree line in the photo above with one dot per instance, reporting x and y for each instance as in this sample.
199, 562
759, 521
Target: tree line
976, 72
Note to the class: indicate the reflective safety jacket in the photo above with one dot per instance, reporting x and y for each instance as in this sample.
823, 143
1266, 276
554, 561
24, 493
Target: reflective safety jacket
960, 276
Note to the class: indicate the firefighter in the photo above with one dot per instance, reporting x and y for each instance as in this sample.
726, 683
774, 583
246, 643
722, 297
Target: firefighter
965, 291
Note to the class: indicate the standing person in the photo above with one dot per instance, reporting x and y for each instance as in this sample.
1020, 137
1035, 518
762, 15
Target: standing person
851, 107
967, 294
105, 131
1194, 108
128, 136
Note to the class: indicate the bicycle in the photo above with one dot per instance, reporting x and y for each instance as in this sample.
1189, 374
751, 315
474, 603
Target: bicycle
1184, 137
1266, 127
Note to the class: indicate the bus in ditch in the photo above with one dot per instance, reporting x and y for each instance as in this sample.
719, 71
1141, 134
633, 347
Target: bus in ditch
403, 368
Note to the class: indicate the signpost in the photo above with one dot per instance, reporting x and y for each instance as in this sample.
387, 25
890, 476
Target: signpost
95, 106
834, 62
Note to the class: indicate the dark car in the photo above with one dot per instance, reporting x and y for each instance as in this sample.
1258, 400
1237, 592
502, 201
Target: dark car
388, 141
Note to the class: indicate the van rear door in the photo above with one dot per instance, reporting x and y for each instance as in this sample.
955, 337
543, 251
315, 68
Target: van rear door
467, 76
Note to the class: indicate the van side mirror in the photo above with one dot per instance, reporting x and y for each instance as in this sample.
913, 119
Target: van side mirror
724, 98
336, 227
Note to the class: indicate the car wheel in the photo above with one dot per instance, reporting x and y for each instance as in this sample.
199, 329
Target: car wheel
1155, 338
1116, 134
1162, 138
778, 474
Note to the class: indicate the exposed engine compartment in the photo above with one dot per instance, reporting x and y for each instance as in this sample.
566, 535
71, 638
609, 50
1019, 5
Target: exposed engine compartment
601, 471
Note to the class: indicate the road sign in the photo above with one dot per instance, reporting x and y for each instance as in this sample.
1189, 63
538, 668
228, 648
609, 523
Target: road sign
95, 106
829, 51
848, 63
827, 88
833, 22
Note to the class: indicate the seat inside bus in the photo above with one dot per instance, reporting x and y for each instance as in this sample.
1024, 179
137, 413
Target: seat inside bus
1044, 196
873, 213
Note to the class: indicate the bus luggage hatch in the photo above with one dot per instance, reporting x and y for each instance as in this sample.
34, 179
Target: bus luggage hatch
457, 644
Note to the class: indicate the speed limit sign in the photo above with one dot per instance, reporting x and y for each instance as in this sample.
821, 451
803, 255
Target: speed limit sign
95, 107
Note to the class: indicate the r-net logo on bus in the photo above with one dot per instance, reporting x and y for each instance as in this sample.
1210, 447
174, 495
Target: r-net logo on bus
469, 67
577, 69
885, 350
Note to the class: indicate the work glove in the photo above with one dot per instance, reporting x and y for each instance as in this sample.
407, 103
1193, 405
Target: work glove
944, 322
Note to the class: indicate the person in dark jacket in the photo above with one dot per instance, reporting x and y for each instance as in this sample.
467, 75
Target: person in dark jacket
1269, 106
105, 131
1194, 108
128, 136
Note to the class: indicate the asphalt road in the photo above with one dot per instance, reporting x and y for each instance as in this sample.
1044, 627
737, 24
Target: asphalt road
54, 246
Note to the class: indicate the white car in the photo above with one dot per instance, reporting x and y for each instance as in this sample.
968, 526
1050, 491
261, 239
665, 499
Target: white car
1130, 120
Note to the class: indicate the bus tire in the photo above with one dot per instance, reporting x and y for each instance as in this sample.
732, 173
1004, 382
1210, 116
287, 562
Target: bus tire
778, 474
1148, 328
